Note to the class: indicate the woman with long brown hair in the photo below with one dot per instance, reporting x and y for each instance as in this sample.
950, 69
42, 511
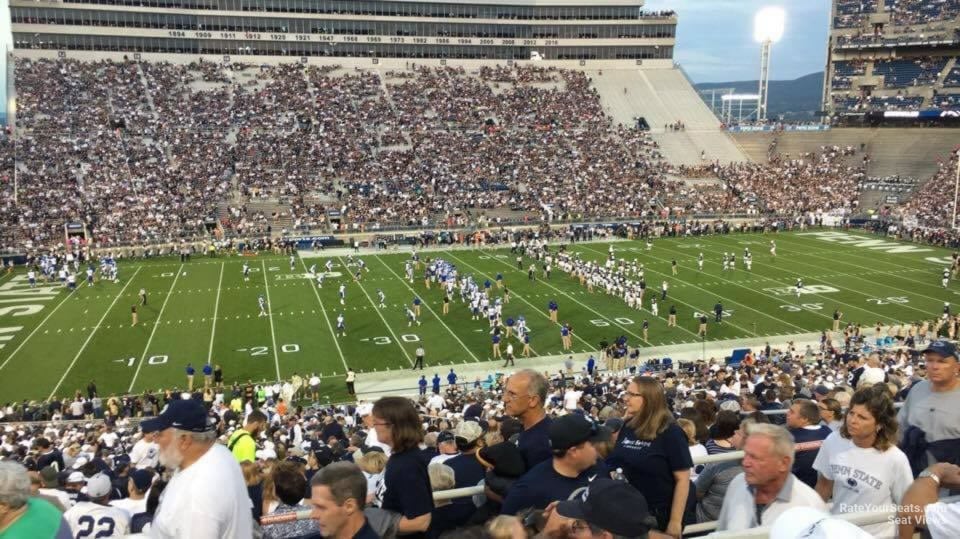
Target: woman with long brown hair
652, 452
406, 483
860, 465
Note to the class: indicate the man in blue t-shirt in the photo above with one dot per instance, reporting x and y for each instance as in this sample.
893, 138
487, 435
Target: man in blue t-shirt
436, 383
423, 385
523, 398
803, 422
573, 466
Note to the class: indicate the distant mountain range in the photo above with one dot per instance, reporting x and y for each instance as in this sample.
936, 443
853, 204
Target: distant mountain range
797, 99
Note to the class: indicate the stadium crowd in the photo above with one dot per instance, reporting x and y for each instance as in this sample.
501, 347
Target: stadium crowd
540, 444
160, 156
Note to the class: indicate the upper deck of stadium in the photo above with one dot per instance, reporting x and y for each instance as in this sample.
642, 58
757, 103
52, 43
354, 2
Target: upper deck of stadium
514, 30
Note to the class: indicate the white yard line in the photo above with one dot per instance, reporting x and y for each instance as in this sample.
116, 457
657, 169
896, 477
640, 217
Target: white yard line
216, 307
323, 310
427, 305
42, 322
273, 334
153, 332
92, 332
377, 309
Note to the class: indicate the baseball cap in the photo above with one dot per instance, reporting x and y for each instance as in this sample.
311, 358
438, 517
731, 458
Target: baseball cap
467, 432
445, 436
811, 523
602, 503
574, 429
142, 479
189, 415
76, 477
99, 486
821, 390
943, 347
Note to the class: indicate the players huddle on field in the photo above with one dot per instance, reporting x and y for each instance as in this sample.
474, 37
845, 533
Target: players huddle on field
65, 268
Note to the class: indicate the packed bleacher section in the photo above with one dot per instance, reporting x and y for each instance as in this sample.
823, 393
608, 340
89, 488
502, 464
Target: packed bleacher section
164, 150
918, 12
827, 179
505, 434
932, 204
154, 148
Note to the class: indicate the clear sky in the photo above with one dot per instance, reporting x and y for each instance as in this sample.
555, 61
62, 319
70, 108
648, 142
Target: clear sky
715, 38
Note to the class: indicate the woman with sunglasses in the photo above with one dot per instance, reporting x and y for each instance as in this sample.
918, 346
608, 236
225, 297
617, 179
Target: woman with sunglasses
406, 484
652, 452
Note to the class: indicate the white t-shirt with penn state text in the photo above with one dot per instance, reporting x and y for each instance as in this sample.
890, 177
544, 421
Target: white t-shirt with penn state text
864, 479
207, 500
89, 519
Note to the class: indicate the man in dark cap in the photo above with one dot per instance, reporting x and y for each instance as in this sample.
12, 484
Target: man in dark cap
599, 514
573, 466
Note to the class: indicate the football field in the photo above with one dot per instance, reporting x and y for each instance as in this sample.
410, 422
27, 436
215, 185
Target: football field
54, 341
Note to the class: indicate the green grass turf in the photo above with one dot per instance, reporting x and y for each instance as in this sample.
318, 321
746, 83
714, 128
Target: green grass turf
203, 311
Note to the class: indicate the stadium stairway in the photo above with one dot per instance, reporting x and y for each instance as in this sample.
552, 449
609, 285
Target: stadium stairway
665, 96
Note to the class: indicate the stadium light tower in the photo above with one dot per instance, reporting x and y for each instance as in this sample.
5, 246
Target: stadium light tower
768, 26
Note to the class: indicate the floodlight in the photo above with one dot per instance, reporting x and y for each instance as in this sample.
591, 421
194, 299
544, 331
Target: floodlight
768, 24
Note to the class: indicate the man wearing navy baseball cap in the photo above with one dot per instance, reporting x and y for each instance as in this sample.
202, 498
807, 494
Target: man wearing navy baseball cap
599, 513
206, 497
928, 419
573, 466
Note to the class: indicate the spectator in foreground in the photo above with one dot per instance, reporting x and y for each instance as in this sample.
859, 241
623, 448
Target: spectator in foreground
600, 513
766, 488
809, 523
831, 414
338, 494
290, 486
713, 481
406, 484
653, 453
921, 508
524, 398
803, 422
860, 466
22, 515
96, 516
243, 442
206, 498
929, 417
573, 466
